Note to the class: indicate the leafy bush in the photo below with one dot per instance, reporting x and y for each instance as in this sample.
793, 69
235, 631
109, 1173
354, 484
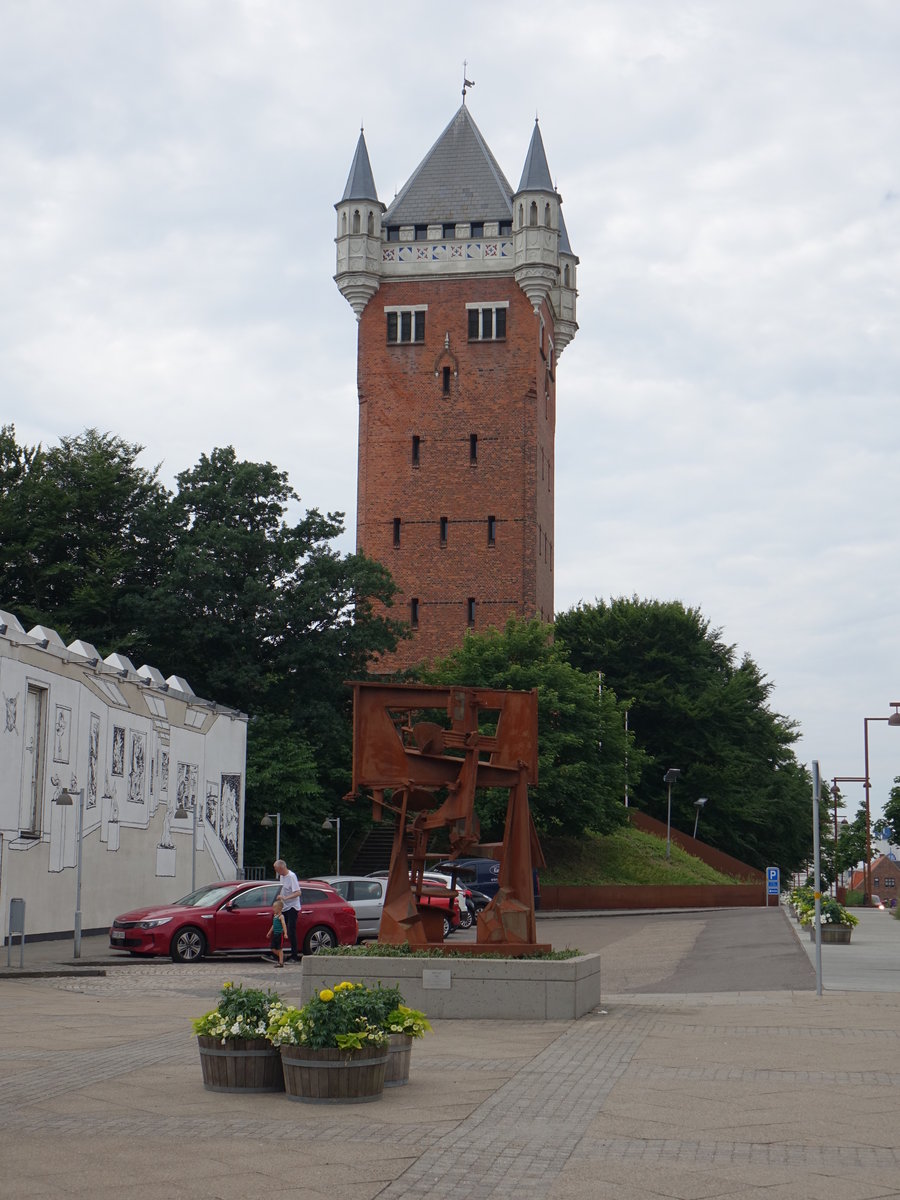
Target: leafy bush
347, 1016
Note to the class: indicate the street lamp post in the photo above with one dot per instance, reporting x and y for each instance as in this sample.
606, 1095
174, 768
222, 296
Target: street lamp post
335, 823
181, 812
698, 804
893, 719
836, 794
669, 778
266, 823
64, 799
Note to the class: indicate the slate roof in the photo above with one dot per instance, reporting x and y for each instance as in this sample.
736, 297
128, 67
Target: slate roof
360, 181
536, 173
458, 180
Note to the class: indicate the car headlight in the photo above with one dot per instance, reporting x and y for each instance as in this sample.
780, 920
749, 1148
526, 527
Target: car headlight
153, 924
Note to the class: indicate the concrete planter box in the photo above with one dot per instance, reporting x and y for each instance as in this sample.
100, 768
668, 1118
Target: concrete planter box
515, 989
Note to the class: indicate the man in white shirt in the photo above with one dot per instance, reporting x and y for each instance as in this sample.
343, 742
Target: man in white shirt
290, 895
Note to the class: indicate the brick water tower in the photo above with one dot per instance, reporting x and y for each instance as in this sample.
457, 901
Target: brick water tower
464, 290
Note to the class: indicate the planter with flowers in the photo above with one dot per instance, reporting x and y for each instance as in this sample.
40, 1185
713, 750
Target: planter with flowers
334, 1050
235, 1053
837, 921
403, 1025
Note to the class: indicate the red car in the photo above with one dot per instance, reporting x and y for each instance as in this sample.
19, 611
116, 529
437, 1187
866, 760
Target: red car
230, 917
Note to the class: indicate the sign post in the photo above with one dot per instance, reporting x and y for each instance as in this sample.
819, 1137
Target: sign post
773, 883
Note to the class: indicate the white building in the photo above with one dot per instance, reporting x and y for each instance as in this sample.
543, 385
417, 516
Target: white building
155, 762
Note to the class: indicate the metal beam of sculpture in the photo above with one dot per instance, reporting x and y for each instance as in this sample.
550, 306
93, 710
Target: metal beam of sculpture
423, 752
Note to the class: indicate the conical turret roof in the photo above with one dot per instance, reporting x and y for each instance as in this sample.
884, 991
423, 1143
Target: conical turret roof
536, 172
360, 181
458, 180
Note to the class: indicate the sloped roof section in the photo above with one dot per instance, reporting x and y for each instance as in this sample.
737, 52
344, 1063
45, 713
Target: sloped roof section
536, 172
458, 180
564, 244
360, 181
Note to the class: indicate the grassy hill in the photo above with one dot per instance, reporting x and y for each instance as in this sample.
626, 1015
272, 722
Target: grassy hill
627, 856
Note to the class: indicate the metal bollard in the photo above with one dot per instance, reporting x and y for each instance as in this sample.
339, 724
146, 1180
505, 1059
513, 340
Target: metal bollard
16, 926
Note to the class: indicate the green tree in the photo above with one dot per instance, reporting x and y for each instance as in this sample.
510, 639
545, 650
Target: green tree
891, 814
82, 531
581, 734
695, 707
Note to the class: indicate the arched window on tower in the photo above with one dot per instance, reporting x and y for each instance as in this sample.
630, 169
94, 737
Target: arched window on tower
356, 220
370, 224
547, 220
343, 223
521, 216
566, 276
532, 213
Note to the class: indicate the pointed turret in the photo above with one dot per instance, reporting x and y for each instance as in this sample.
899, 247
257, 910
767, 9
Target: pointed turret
536, 222
358, 240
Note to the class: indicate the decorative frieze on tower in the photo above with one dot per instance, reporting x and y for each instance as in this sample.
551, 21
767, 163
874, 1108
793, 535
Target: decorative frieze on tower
465, 295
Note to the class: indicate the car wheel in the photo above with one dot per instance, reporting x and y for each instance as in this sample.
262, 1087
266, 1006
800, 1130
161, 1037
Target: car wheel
465, 920
448, 928
318, 937
188, 945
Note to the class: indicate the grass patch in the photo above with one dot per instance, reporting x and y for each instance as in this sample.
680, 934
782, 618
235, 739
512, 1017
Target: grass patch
626, 857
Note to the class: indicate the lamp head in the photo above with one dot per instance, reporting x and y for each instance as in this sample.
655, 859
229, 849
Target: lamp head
671, 776
65, 799
700, 802
326, 824
266, 822
181, 812
894, 718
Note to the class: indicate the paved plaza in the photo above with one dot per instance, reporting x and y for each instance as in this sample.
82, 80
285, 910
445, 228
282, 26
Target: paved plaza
687, 1082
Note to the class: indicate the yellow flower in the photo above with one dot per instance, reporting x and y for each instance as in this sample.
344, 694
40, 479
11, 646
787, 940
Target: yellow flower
227, 985
326, 994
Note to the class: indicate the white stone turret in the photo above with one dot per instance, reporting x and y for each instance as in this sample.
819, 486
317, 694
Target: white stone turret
358, 239
536, 226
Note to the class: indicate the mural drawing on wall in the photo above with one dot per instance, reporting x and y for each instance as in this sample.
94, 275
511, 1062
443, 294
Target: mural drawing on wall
164, 771
212, 803
118, 750
228, 813
93, 760
11, 704
186, 785
62, 737
137, 767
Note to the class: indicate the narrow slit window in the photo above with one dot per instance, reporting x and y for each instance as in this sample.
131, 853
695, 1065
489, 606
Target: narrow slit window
492, 531
396, 531
446, 381
444, 524
470, 611
416, 444
414, 612
473, 448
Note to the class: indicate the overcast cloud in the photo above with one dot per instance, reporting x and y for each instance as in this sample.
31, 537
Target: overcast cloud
727, 428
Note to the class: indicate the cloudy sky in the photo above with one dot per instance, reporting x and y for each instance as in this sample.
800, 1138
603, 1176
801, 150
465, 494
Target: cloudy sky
728, 431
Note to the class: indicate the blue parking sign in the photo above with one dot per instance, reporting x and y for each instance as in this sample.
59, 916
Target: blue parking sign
773, 881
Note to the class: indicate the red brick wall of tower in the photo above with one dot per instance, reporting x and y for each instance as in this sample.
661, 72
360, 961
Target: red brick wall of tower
502, 393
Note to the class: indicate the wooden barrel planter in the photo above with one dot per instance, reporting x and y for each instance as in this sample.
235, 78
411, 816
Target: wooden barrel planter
332, 1076
241, 1065
399, 1050
836, 935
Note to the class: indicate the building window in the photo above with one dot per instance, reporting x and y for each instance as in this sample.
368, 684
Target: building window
445, 386
396, 531
356, 220
532, 214
393, 233
414, 612
473, 448
478, 229
370, 224
416, 443
406, 324
890, 881
505, 228
444, 523
492, 531
470, 611
487, 322
421, 233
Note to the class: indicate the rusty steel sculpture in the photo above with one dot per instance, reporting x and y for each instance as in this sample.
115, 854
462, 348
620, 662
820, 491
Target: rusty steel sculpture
426, 772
